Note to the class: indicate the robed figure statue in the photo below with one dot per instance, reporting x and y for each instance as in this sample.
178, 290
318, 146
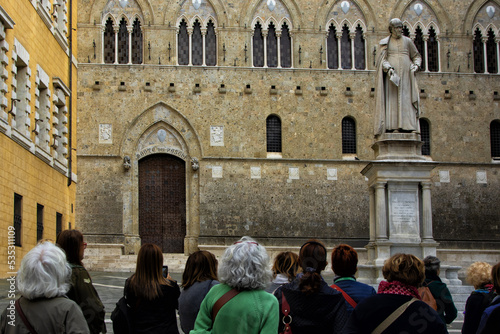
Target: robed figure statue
397, 93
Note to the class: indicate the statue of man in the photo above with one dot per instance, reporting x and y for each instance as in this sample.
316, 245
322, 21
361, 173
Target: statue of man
397, 94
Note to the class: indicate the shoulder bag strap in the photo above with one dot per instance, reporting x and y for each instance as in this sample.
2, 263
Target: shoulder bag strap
346, 296
23, 317
287, 318
391, 318
223, 300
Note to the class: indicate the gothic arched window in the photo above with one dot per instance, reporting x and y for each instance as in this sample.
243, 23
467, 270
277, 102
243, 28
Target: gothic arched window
197, 44
491, 52
285, 47
478, 52
272, 46
183, 44
359, 49
432, 52
348, 136
273, 133
258, 46
332, 46
211, 45
495, 139
123, 42
137, 43
425, 136
109, 42
420, 44
345, 47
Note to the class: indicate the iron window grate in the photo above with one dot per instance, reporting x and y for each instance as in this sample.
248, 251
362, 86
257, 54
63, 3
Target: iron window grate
348, 136
273, 131
425, 136
495, 139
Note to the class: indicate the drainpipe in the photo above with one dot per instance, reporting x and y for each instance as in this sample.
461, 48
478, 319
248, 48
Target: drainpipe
70, 67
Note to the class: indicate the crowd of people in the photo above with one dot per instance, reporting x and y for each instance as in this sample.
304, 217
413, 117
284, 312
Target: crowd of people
288, 296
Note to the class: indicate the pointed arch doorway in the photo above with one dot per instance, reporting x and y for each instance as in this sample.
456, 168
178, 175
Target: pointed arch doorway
162, 202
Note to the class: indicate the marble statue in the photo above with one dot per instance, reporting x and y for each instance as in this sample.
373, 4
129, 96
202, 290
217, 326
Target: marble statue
397, 93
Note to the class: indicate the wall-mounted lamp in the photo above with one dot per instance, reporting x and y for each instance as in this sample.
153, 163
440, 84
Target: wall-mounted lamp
374, 55
169, 49
321, 55
448, 54
246, 49
300, 53
93, 45
149, 50
224, 51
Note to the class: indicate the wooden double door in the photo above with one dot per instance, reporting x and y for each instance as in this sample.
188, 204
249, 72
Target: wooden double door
162, 202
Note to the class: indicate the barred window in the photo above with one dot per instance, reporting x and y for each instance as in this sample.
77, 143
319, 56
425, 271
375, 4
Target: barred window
211, 45
495, 139
109, 42
258, 46
432, 51
197, 44
39, 222
123, 43
420, 44
425, 136
273, 132
285, 47
59, 218
332, 48
478, 52
348, 136
491, 52
345, 47
272, 46
359, 49
183, 44
18, 219
137, 43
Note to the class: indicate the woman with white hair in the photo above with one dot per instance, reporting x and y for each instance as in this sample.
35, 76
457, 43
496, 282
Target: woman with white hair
245, 307
43, 280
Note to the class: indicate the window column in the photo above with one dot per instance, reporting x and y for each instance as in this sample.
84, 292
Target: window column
116, 29
339, 59
190, 38
425, 38
264, 36
497, 40
352, 38
203, 43
484, 40
278, 38
130, 29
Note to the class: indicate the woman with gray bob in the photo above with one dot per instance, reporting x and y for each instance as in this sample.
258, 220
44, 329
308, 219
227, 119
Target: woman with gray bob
244, 274
43, 280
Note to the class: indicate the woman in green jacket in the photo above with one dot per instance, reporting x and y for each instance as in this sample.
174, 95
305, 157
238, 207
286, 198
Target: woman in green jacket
244, 270
82, 291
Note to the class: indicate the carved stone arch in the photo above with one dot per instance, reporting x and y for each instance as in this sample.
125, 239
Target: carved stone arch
420, 25
138, 17
493, 27
179, 20
360, 23
410, 27
323, 14
123, 16
113, 19
335, 24
435, 26
436, 7
348, 23
213, 19
288, 23
259, 20
481, 29
472, 12
193, 20
249, 9
160, 129
274, 21
218, 6
98, 6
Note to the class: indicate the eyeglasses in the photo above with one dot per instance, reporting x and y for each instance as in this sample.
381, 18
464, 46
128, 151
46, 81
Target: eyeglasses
84, 245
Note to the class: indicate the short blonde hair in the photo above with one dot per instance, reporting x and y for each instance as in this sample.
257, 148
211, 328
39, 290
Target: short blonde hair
479, 274
404, 268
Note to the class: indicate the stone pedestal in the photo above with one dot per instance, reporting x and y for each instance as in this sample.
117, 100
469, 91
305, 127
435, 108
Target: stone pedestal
399, 183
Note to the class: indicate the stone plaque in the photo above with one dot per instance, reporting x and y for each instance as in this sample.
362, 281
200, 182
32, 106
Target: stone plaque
404, 214
216, 136
331, 174
255, 172
105, 134
293, 173
444, 176
217, 172
481, 176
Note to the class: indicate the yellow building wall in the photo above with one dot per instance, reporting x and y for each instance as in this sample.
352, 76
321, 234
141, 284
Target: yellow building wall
21, 171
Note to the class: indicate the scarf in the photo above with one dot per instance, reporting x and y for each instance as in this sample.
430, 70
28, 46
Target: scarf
398, 288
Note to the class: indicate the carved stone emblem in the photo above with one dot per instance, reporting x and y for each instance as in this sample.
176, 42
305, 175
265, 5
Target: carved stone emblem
162, 135
196, 4
490, 10
123, 3
418, 9
271, 4
345, 5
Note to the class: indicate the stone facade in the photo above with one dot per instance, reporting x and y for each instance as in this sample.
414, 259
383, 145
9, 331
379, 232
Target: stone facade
37, 125
216, 115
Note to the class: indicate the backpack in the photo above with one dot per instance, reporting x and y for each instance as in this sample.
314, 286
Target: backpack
120, 317
427, 297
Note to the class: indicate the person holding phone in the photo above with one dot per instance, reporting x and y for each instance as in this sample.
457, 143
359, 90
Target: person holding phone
152, 297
